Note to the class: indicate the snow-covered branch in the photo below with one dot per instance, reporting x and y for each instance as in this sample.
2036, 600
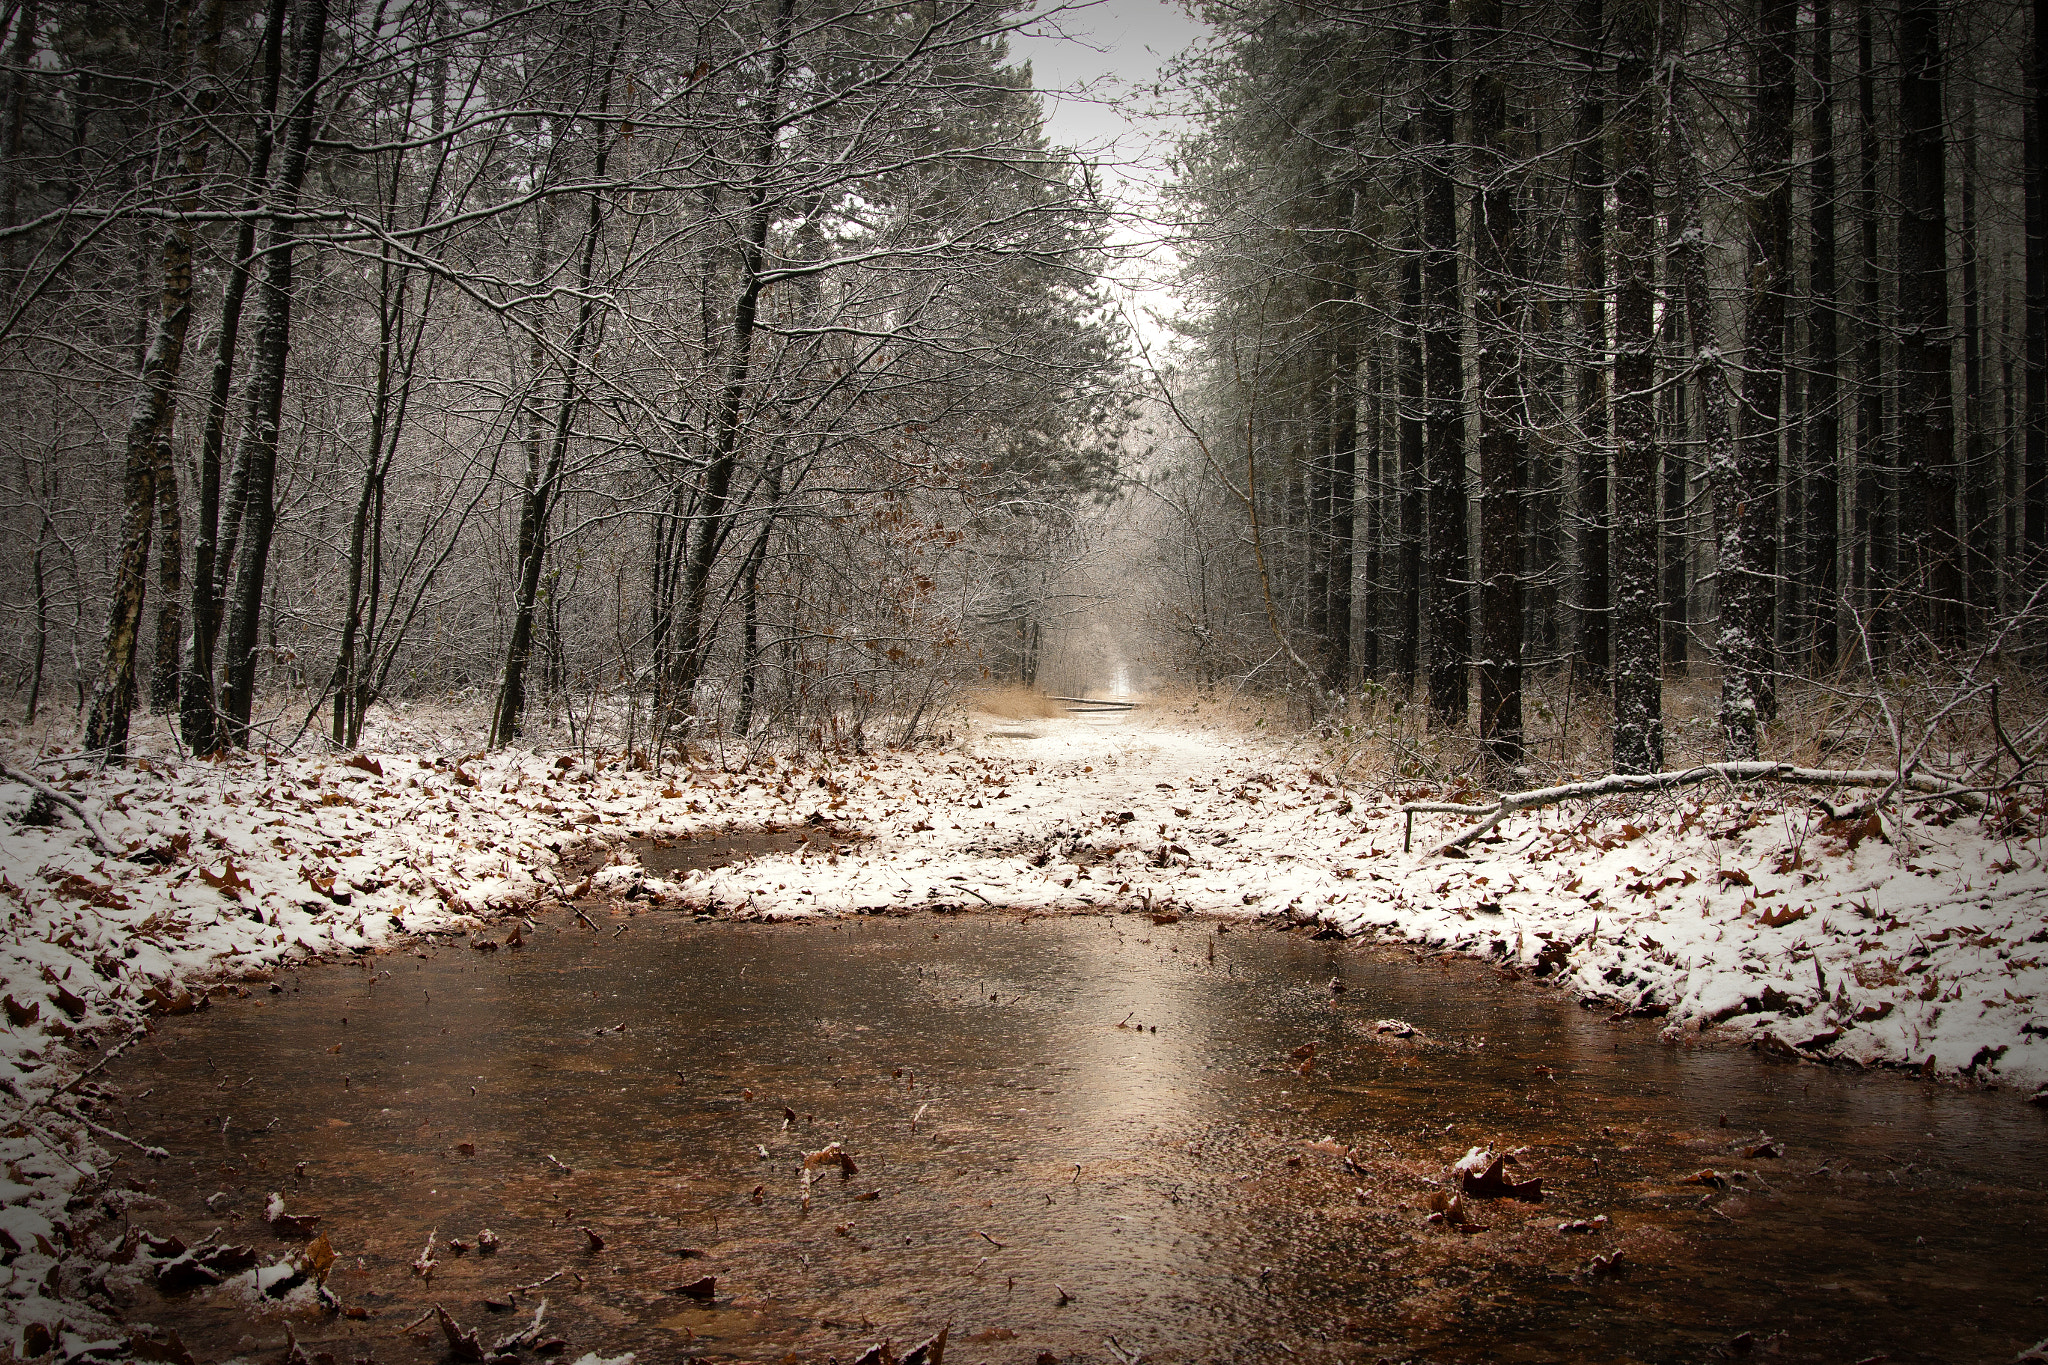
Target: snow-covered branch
1619, 784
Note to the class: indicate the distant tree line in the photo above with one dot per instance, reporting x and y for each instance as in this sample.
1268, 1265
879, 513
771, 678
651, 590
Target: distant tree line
746, 357
1607, 336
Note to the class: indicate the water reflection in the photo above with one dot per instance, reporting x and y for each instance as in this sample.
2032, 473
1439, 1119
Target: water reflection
629, 1080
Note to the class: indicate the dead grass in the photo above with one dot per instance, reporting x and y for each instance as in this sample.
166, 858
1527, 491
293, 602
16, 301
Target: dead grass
1013, 702
1387, 738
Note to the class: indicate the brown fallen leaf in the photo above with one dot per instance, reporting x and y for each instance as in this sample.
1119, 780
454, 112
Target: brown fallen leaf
317, 1258
831, 1155
1769, 1148
1449, 1210
1608, 1266
1490, 1180
1711, 1179
596, 1243
207, 1265
1304, 1052
228, 882
71, 1005
703, 1290
462, 1342
364, 763
21, 1016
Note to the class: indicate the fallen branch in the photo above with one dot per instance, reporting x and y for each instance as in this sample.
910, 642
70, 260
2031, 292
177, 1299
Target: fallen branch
94, 833
156, 1153
1616, 784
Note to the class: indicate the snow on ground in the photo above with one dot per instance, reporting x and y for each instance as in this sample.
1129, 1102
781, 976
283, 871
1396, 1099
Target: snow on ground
1735, 915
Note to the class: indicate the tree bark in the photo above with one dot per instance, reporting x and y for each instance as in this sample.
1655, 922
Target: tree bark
1449, 570
256, 452
2034, 342
1875, 534
170, 584
1823, 411
21, 51
198, 718
147, 455
1496, 231
1745, 512
714, 512
1592, 638
1927, 482
1343, 443
1413, 405
543, 483
1638, 646
1979, 537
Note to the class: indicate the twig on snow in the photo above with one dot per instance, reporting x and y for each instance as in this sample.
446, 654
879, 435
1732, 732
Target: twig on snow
1615, 784
95, 833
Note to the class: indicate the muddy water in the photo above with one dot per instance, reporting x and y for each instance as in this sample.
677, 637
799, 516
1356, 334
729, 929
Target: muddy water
1065, 1131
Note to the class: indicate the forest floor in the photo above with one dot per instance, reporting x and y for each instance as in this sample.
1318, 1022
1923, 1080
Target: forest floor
1737, 916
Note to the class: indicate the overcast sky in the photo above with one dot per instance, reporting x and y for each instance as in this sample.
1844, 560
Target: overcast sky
1093, 64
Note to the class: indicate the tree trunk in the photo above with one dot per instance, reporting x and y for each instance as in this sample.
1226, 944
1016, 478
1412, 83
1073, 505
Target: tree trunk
1343, 443
1875, 539
1745, 511
2034, 413
198, 720
170, 584
1979, 537
256, 452
1638, 646
714, 512
543, 482
1824, 444
1676, 552
147, 457
1413, 405
1591, 655
750, 609
39, 582
1927, 483
1689, 266
21, 51
1443, 324
1496, 232
1372, 661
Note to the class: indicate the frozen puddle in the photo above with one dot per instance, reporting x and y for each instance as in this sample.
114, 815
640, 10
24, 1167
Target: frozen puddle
1063, 1130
